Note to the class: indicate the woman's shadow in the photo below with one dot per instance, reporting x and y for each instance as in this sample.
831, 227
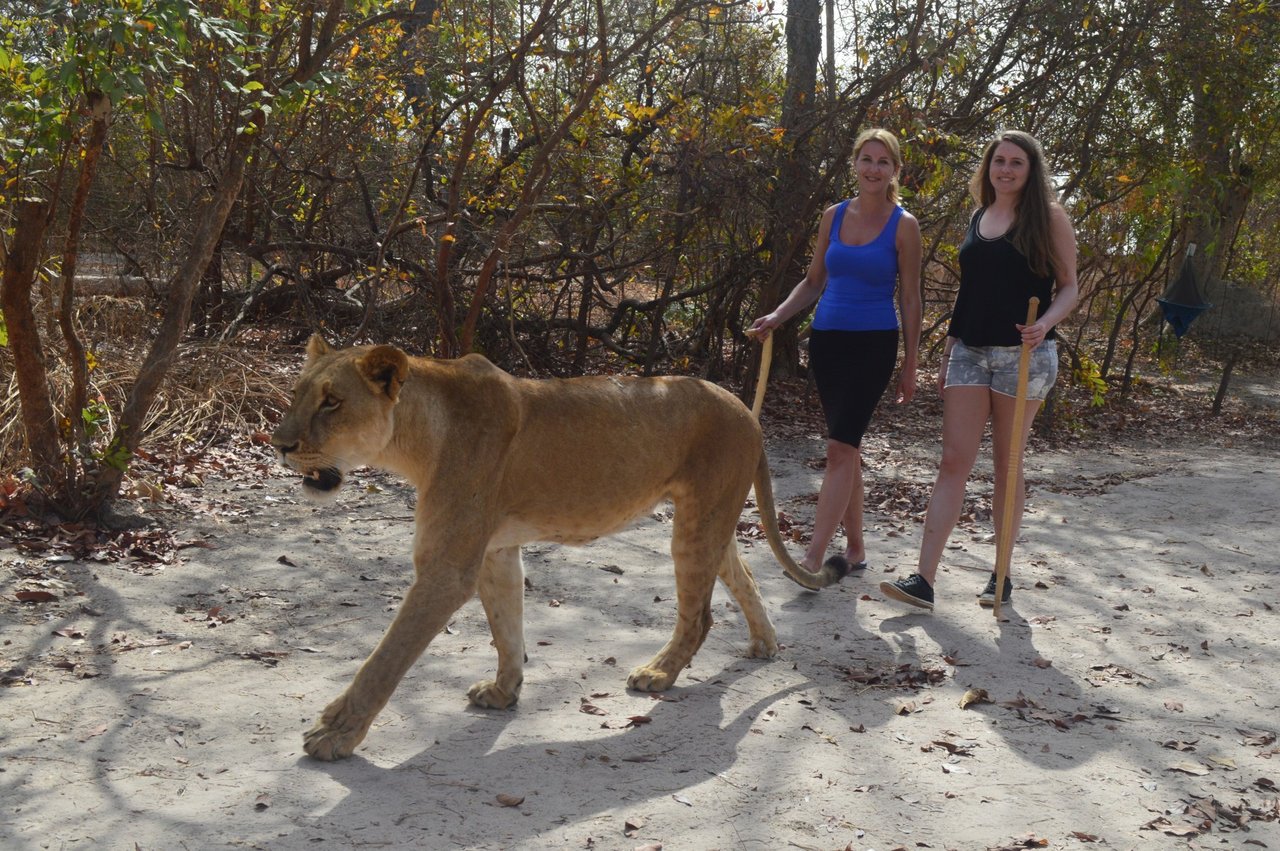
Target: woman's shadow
1026, 699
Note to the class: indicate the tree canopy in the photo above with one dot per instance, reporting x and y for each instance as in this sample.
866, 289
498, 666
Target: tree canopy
568, 186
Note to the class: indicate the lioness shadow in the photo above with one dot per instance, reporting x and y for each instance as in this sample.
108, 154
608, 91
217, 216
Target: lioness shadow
491, 781
507, 779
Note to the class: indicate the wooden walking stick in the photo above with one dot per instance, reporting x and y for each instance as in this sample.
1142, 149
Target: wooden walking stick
764, 496
762, 377
1004, 541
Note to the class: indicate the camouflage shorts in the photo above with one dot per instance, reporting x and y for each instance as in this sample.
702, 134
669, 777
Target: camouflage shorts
997, 367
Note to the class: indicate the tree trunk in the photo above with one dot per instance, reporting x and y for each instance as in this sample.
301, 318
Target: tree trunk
313, 50
830, 76
1224, 383
536, 180
584, 320
100, 109
670, 272
795, 176
39, 423
1141, 309
1127, 302
211, 220
209, 303
416, 88
1220, 196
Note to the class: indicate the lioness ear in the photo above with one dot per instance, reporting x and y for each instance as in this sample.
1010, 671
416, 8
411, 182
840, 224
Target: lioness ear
316, 347
385, 367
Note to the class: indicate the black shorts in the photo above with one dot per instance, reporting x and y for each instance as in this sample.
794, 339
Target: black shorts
852, 369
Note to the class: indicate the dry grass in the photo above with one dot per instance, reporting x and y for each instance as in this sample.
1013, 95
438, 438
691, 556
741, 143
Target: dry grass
211, 392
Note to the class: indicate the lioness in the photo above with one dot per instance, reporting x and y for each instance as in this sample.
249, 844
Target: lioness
500, 461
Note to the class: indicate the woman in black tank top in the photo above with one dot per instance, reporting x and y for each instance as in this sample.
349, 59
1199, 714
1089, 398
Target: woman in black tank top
1020, 243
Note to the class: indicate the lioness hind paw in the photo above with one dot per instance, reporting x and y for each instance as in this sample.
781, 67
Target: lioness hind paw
762, 649
488, 695
647, 678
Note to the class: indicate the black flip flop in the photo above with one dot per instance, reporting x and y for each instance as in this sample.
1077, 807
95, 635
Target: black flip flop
842, 566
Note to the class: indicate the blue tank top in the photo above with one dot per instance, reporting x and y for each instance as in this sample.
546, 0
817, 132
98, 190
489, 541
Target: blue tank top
860, 280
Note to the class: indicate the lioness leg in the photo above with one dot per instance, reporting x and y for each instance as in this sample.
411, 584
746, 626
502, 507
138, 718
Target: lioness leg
502, 594
742, 585
427, 607
697, 559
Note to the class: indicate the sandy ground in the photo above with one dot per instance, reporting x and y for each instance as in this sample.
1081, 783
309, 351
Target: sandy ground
1131, 694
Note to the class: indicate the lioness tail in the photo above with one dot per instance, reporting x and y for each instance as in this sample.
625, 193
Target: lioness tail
828, 575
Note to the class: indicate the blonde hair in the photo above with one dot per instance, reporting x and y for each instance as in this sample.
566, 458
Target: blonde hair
1031, 233
890, 141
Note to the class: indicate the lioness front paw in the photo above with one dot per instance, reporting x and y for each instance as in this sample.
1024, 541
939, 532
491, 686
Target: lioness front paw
648, 678
337, 733
487, 694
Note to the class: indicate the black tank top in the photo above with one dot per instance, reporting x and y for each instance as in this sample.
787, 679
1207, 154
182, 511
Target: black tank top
996, 282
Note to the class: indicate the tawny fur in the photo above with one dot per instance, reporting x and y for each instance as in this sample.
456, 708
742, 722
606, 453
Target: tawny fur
500, 461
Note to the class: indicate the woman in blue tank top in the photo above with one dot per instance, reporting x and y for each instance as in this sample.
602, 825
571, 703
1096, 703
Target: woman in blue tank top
867, 251
1020, 244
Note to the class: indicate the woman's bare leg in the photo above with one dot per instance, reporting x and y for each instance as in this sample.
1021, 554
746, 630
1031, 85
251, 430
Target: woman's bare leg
855, 548
965, 411
843, 469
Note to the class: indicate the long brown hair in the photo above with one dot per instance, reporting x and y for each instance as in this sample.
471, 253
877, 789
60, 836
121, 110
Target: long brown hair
1031, 231
890, 141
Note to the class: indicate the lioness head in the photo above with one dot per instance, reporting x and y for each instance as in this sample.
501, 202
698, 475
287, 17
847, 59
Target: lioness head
342, 414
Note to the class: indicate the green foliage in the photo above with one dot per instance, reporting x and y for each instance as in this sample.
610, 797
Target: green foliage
1089, 376
57, 54
116, 455
1164, 351
95, 417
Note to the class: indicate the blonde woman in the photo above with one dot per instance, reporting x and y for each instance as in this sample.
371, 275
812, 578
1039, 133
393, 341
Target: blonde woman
867, 250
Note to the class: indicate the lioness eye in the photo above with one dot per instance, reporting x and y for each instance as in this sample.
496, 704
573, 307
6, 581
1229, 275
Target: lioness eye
330, 402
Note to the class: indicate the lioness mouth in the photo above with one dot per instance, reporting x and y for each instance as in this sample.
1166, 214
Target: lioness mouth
324, 480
